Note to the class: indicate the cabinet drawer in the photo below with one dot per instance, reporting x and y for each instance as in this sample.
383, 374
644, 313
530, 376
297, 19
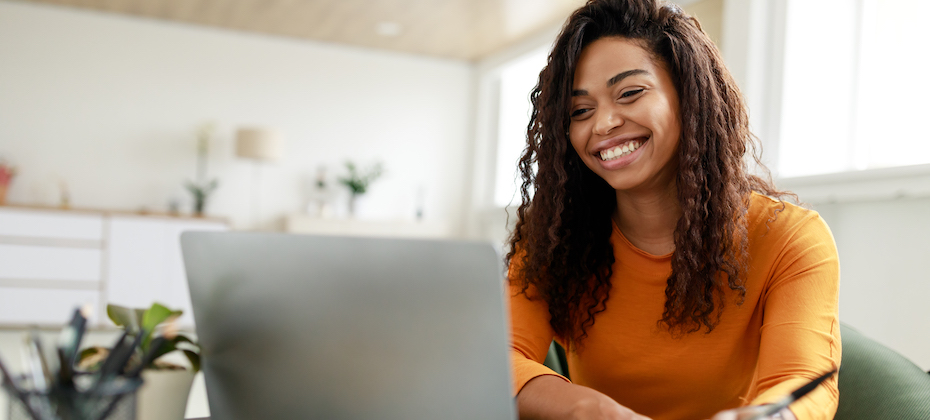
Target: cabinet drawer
23, 306
50, 224
25, 262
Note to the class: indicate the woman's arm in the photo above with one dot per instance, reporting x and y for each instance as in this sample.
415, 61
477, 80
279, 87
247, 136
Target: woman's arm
550, 397
541, 393
800, 329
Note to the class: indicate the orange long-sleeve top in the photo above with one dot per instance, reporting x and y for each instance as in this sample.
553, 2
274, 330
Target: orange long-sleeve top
785, 333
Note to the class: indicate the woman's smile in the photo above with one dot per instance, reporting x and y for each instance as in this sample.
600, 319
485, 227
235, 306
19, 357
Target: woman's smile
619, 151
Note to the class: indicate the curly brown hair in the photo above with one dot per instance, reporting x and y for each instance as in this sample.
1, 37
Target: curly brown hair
560, 245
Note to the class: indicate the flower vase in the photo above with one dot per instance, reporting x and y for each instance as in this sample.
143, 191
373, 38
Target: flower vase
200, 204
3, 189
353, 204
163, 395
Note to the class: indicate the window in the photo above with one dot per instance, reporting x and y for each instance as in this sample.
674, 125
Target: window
855, 86
517, 79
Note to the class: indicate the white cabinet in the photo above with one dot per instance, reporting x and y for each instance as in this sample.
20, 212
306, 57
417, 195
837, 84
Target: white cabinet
50, 224
46, 306
32, 262
52, 261
145, 263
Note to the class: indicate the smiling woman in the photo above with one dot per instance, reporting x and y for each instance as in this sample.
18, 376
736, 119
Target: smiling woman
682, 285
624, 126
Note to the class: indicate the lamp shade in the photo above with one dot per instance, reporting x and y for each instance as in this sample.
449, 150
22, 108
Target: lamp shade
259, 144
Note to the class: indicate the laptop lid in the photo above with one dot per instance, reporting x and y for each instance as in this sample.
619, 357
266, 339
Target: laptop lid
295, 326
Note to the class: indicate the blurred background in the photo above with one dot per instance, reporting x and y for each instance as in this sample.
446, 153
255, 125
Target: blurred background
133, 108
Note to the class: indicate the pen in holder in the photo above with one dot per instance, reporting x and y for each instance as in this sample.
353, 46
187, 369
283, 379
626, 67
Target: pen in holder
116, 401
47, 393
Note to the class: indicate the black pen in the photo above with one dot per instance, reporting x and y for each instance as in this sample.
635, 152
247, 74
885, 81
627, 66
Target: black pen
68, 343
771, 409
169, 332
35, 363
147, 358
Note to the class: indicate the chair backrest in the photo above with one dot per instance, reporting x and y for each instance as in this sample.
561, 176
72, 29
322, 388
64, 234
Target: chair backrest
875, 382
556, 360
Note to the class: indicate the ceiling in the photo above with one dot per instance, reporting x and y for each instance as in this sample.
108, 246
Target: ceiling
458, 29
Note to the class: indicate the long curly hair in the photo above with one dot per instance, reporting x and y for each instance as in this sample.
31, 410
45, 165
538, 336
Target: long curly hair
560, 245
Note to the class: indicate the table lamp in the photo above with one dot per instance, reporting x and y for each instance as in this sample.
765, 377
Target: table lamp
259, 145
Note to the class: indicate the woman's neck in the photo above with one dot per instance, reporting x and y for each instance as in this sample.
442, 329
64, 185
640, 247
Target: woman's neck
648, 219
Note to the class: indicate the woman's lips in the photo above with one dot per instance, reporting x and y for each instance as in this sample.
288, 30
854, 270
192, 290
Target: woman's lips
621, 155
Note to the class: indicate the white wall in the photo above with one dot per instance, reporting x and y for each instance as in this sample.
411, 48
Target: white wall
111, 105
879, 221
884, 249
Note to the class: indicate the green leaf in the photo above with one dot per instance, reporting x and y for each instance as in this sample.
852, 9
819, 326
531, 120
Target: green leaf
194, 358
140, 313
155, 315
90, 351
167, 346
123, 317
190, 344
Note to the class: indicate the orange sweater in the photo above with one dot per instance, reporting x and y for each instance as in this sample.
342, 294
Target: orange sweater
784, 334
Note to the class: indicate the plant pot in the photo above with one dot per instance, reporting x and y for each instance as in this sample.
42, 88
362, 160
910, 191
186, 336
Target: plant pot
3, 189
163, 396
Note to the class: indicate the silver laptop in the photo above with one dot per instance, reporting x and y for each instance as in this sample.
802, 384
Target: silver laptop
309, 327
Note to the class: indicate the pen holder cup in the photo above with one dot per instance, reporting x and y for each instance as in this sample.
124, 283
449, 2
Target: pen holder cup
115, 403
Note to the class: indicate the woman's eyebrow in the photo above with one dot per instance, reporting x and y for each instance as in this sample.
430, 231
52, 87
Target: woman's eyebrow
623, 75
613, 80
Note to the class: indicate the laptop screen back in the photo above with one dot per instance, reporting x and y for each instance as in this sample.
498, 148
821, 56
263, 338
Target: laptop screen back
349, 328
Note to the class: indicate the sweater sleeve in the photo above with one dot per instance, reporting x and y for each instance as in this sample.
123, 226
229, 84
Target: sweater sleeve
530, 337
800, 329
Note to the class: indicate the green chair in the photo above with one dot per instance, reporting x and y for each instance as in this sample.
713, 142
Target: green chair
556, 360
875, 382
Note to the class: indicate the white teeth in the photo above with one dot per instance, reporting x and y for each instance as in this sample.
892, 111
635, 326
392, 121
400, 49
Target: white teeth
619, 151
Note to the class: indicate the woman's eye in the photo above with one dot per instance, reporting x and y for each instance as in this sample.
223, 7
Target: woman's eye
631, 93
579, 112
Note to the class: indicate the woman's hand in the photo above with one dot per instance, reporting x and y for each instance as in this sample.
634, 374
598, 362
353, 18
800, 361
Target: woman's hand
745, 413
549, 397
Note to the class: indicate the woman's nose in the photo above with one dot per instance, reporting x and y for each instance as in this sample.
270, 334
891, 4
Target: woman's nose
608, 120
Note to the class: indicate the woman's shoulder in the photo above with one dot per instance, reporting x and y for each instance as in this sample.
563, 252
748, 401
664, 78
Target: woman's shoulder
772, 219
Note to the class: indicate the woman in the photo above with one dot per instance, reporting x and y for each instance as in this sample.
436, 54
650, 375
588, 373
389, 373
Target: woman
681, 288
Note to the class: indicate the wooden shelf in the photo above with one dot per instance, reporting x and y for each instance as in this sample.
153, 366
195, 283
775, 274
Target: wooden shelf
112, 212
298, 223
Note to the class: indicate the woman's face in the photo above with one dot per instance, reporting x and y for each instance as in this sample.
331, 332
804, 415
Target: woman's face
624, 116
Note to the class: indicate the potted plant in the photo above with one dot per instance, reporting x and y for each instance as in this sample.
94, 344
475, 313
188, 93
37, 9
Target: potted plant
201, 188
163, 396
358, 181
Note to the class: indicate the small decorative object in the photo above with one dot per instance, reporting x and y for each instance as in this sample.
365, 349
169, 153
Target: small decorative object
163, 396
359, 181
320, 196
421, 202
201, 188
174, 206
64, 196
7, 173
